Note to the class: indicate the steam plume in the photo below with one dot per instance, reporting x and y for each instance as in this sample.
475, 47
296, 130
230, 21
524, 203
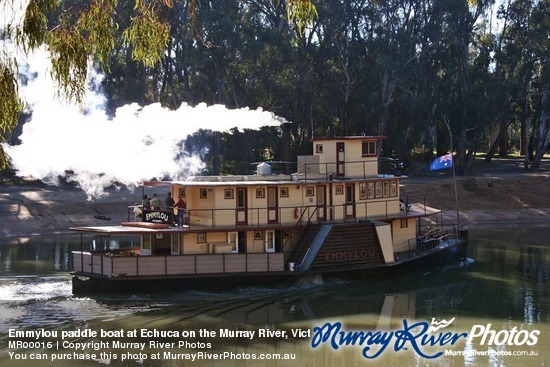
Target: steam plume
139, 143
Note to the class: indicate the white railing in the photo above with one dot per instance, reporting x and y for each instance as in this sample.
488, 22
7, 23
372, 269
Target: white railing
134, 265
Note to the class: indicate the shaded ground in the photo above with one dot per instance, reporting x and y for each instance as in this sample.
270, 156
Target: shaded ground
500, 191
31, 208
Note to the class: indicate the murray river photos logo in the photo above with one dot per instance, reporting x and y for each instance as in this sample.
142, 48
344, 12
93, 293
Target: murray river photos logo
427, 340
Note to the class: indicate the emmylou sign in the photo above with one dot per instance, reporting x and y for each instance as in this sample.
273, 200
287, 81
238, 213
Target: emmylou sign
158, 216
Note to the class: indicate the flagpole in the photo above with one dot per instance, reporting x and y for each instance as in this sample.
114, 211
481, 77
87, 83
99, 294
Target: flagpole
453, 167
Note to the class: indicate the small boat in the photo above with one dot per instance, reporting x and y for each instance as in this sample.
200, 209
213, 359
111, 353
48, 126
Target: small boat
339, 215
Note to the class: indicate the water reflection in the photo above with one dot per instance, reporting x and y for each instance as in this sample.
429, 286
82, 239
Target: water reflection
46, 255
506, 283
511, 272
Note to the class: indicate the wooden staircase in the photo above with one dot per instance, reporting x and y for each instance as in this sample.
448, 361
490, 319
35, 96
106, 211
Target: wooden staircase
308, 235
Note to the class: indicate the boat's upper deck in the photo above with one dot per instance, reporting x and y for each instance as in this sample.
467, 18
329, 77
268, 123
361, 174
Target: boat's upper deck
343, 181
310, 173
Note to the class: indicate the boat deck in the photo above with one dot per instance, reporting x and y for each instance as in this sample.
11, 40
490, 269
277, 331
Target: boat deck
120, 229
131, 264
414, 210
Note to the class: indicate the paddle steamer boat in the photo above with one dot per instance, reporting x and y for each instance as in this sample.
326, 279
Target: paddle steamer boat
340, 215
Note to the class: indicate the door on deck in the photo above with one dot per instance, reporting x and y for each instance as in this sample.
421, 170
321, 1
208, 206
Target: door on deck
233, 240
321, 204
175, 244
340, 159
272, 205
242, 206
270, 241
350, 201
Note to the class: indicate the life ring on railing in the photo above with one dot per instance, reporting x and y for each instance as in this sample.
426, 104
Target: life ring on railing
296, 213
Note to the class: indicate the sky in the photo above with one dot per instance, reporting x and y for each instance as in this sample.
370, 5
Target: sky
139, 143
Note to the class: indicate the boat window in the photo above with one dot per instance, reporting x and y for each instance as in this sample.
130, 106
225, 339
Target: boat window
370, 190
378, 186
386, 189
393, 188
319, 148
362, 191
369, 148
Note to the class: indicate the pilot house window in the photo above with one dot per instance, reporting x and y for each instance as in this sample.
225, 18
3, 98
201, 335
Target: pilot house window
369, 148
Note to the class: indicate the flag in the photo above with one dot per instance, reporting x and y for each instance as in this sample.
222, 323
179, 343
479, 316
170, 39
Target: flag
445, 161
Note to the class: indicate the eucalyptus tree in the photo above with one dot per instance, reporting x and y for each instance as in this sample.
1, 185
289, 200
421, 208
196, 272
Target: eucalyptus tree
407, 97
540, 48
513, 69
338, 53
403, 47
458, 96
521, 66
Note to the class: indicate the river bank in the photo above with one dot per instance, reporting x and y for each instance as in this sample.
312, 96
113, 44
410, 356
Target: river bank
500, 192
487, 199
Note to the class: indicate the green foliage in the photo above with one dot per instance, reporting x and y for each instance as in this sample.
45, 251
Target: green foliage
35, 24
97, 24
302, 12
83, 34
69, 62
10, 104
148, 34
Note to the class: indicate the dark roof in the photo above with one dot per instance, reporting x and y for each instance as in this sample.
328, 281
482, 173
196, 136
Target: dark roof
369, 137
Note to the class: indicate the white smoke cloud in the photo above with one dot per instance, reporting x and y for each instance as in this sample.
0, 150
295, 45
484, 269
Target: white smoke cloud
139, 143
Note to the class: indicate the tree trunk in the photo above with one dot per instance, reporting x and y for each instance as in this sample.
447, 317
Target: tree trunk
523, 138
346, 88
388, 85
544, 131
525, 143
471, 156
504, 144
430, 138
461, 154
502, 127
